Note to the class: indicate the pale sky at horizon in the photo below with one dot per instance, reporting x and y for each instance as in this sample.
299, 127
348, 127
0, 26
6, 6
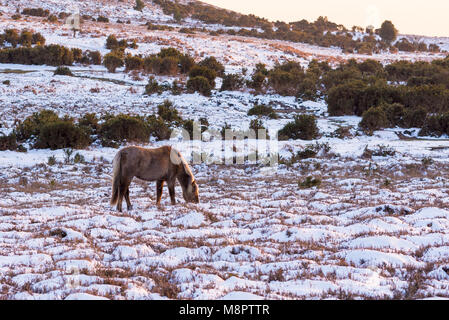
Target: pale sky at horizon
418, 17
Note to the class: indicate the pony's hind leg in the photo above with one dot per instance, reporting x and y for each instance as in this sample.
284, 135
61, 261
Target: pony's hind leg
159, 187
124, 192
128, 202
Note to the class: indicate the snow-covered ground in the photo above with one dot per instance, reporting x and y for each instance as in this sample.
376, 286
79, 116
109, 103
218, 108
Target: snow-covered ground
375, 228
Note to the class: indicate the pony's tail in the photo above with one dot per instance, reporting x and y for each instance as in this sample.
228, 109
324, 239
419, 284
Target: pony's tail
116, 164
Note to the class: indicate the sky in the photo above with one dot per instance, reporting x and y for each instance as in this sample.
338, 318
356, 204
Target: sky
418, 17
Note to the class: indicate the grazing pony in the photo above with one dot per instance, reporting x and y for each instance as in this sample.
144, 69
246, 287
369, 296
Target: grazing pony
163, 164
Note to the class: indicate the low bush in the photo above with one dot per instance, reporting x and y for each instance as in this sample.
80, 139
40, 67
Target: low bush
167, 112
52, 55
303, 127
263, 110
374, 119
436, 125
213, 64
112, 61
232, 82
124, 128
8, 142
199, 84
37, 12
153, 87
133, 63
33, 124
63, 71
205, 72
310, 182
62, 134
47, 130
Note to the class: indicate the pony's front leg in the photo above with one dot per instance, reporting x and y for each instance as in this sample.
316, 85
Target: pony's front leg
159, 187
171, 190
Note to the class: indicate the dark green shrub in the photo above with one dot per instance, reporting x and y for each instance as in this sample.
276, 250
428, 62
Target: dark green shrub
77, 55
124, 127
139, 5
112, 61
395, 114
209, 74
63, 71
8, 142
355, 97
303, 127
169, 52
414, 117
52, 55
285, 79
186, 63
62, 134
158, 128
213, 64
52, 18
33, 124
94, 57
232, 82
26, 38
103, 19
436, 125
111, 42
374, 119
37, 12
169, 66
12, 37
89, 123
199, 84
262, 110
168, 113
153, 87
310, 182
257, 81
133, 63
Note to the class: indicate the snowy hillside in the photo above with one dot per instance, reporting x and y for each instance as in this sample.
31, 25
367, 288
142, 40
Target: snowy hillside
376, 226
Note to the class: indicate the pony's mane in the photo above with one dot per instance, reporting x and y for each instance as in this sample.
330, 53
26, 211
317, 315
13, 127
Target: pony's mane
186, 166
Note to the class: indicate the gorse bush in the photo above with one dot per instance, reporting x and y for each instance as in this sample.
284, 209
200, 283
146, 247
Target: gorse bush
199, 84
124, 127
133, 63
205, 72
167, 112
33, 124
47, 130
153, 87
8, 142
63, 71
213, 64
374, 119
232, 82
37, 12
436, 125
62, 134
303, 127
52, 55
263, 110
112, 61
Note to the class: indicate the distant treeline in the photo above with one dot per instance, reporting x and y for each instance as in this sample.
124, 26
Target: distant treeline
320, 32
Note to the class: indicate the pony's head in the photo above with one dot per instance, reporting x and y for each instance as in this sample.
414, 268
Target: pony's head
187, 180
191, 193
